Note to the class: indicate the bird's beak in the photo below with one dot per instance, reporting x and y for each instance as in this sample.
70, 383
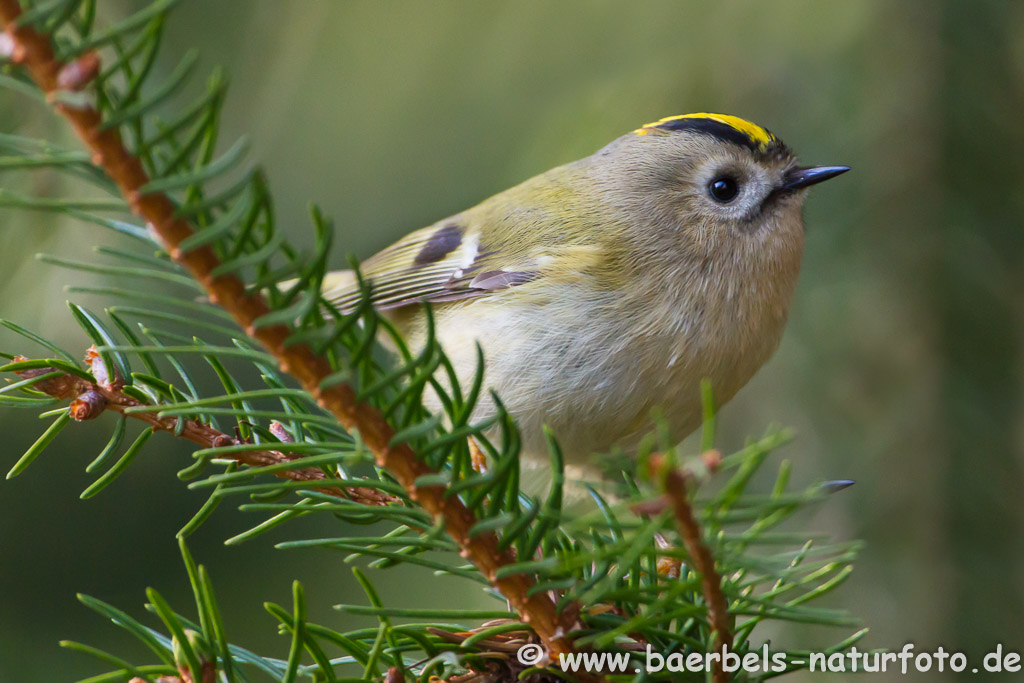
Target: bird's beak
801, 177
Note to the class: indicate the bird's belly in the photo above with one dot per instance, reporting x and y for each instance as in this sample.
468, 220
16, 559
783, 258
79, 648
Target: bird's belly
595, 385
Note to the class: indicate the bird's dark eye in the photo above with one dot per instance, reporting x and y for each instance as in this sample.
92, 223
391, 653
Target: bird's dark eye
724, 188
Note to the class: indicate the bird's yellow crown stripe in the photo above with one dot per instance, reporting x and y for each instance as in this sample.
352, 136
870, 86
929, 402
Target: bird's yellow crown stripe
757, 135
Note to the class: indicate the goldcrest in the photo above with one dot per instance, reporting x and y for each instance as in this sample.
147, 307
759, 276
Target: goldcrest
607, 289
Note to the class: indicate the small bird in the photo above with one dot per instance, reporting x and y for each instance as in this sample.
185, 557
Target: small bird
607, 289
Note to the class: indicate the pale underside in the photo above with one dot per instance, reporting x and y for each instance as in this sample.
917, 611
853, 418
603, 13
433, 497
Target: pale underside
599, 374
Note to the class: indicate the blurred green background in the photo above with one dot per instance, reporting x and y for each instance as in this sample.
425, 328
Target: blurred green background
901, 366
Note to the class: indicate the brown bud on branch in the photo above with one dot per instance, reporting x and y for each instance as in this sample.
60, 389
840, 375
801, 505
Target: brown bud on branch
87, 406
79, 73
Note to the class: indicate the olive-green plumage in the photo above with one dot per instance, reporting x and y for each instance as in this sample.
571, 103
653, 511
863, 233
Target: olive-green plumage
608, 288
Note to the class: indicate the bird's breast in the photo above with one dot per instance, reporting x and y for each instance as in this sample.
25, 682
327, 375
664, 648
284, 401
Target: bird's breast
595, 366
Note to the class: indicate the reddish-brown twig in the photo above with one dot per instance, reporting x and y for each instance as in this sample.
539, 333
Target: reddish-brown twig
34, 51
89, 400
677, 496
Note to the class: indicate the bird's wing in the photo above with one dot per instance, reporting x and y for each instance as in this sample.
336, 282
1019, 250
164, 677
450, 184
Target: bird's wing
444, 262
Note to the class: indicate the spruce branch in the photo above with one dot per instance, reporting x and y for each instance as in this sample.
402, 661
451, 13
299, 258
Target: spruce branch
676, 483
33, 50
89, 400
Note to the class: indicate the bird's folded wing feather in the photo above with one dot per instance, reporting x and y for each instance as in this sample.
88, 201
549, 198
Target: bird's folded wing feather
445, 262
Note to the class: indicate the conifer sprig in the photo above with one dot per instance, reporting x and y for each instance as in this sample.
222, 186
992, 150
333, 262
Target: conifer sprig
88, 400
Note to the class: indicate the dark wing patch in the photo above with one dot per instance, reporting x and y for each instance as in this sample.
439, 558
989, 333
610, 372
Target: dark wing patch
441, 243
